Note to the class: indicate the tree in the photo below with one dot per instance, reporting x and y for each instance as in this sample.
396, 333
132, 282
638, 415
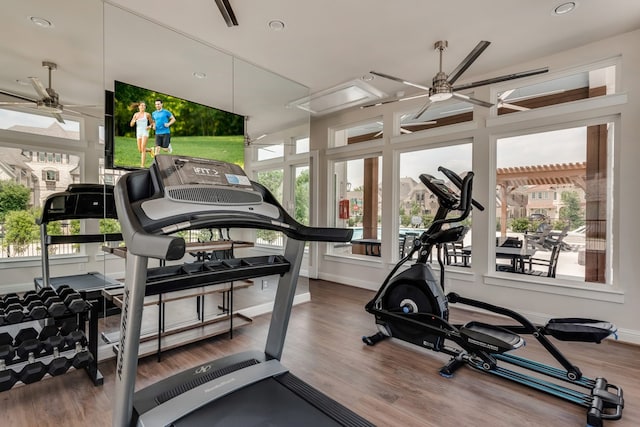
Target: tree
571, 213
13, 197
20, 230
273, 181
301, 208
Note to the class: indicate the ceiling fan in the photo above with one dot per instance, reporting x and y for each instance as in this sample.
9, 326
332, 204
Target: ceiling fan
48, 101
404, 128
502, 101
442, 84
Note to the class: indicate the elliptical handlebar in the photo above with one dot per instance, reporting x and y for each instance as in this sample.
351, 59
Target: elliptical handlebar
457, 181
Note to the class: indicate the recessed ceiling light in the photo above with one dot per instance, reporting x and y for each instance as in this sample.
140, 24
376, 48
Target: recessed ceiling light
367, 77
40, 22
199, 75
565, 8
276, 25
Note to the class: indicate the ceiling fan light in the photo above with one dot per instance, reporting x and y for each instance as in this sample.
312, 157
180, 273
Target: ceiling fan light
442, 96
565, 8
40, 22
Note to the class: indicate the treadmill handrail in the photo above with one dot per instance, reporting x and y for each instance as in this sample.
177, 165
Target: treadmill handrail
156, 244
139, 242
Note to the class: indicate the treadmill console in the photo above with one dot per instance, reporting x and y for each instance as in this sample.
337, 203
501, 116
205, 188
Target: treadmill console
192, 179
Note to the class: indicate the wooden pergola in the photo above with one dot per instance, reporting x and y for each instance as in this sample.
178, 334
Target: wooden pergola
509, 179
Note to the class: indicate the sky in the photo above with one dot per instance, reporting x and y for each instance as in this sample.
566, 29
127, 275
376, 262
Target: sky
562, 146
10, 118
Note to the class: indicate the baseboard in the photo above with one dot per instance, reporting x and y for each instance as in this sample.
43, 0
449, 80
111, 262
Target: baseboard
268, 306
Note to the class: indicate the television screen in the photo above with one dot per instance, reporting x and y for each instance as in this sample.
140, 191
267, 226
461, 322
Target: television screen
195, 130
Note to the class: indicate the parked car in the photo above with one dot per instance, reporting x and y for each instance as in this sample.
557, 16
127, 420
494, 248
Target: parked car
538, 217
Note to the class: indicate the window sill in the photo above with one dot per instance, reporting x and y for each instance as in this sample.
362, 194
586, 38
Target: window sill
556, 287
29, 262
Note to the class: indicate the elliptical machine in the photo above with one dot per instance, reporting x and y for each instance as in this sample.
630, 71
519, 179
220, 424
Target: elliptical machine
412, 306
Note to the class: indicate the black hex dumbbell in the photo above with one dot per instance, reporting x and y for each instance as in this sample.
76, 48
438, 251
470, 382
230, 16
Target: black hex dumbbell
53, 344
73, 300
8, 377
32, 371
12, 312
7, 351
55, 306
27, 343
11, 298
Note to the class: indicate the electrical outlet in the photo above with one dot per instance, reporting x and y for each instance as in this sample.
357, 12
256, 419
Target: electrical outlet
265, 284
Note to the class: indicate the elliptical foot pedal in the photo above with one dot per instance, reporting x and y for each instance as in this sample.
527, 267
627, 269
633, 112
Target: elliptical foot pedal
579, 329
490, 338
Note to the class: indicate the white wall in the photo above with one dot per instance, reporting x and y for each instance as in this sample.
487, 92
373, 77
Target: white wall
617, 303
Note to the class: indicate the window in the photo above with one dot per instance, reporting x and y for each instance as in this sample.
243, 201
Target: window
301, 195
50, 175
269, 152
357, 204
574, 164
581, 85
273, 180
359, 132
437, 115
302, 145
416, 211
39, 125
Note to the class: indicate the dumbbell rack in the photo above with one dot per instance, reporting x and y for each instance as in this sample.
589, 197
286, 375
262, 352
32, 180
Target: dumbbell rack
27, 359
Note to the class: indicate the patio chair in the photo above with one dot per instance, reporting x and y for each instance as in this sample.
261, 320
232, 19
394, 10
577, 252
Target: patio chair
537, 239
454, 255
549, 265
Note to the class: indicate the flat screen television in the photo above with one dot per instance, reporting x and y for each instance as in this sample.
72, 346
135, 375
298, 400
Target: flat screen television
199, 130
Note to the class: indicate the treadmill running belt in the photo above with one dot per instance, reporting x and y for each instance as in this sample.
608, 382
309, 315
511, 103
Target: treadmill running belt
266, 403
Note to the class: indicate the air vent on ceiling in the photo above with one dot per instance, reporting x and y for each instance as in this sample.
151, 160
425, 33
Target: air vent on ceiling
345, 95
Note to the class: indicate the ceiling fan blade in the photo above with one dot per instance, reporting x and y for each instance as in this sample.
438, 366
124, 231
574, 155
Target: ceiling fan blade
39, 87
502, 78
504, 95
16, 103
377, 103
15, 95
80, 113
396, 99
513, 106
399, 80
472, 100
423, 109
466, 62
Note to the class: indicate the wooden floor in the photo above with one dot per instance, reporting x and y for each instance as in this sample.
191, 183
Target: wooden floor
391, 384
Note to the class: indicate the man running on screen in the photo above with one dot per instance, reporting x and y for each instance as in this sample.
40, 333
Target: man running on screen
163, 119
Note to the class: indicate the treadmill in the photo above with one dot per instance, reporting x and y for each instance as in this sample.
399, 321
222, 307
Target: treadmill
79, 201
245, 389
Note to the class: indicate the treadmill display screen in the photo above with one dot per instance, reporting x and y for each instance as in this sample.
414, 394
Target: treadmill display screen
181, 171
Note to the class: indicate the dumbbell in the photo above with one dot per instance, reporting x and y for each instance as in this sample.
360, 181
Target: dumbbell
72, 299
32, 371
83, 357
68, 326
27, 343
12, 312
53, 344
11, 298
75, 338
36, 309
8, 377
55, 306
7, 352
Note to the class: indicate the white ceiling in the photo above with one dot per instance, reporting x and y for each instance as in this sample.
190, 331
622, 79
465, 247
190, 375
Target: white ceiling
325, 43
